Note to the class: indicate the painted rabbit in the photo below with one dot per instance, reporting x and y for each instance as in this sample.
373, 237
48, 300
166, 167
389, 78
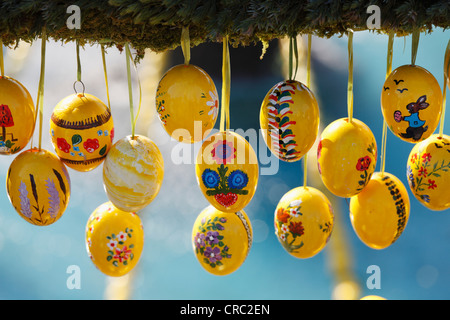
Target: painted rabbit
416, 126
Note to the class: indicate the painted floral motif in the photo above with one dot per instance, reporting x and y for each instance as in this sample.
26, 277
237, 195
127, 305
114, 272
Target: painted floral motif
53, 200
119, 253
226, 187
161, 112
223, 152
91, 145
24, 201
422, 165
278, 109
209, 242
213, 105
363, 165
284, 221
63, 145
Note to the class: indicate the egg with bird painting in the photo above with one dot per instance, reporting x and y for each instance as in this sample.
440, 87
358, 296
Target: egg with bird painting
411, 103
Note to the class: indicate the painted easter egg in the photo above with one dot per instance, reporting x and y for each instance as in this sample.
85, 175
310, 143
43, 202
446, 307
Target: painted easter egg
428, 172
411, 103
380, 212
114, 239
227, 171
289, 119
38, 186
187, 103
17, 116
221, 240
303, 221
133, 173
82, 131
346, 156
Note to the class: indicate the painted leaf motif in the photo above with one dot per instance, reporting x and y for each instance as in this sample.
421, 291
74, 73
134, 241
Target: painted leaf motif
76, 139
103, 150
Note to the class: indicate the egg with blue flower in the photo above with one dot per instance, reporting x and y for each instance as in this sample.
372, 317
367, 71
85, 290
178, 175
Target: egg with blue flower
227, 171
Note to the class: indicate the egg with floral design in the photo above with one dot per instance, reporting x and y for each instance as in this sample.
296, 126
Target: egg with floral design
346, 156
82, 131
428, 172
411, 103
289, 120
187, 103
303, 221
380, 212
114, 239
227, 171
17, 116
221, 240
133, 173
38, 186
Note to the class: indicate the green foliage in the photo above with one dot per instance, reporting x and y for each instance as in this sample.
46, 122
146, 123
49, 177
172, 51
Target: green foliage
157, 24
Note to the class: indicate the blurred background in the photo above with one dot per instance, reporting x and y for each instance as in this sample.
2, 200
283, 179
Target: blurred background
34, 260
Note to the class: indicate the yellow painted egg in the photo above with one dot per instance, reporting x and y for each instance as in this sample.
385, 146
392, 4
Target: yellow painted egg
346, 156
227, 171
289, 119
38, 186
411, 103
114, 239
380, 212
17, 115
372, 297
221, 240
428, 172
187, 103
82, 131
303, 221
133, 173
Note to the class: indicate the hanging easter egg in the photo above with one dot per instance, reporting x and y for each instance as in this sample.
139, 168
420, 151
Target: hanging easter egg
411, 103
346, 156
187, 103
133, 173
303, 221
221, 240
38, 186
227, 171
380, 212
114, 239
428, 172
17, 115
289, 119
82, 131
372, 297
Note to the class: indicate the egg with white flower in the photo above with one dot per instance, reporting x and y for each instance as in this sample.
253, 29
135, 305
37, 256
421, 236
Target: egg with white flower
187, 103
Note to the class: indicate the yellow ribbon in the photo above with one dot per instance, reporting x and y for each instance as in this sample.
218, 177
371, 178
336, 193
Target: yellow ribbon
130, 90
186, 45
40, 97
350, 77
414, 45
106, 75
444, 89
226, 82
308, 84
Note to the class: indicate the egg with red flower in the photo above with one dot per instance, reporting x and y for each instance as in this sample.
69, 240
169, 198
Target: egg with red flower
428, 172
227, 171
346, 156
82, 131
303, 221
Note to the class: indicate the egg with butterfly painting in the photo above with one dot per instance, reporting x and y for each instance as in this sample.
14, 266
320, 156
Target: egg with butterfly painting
411, 103
428, 172
227, 171
114, 239
289, 119
380, 212
38, 186
82, 131
187, 103
303, 222
221, 240
17, 116
346, 156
